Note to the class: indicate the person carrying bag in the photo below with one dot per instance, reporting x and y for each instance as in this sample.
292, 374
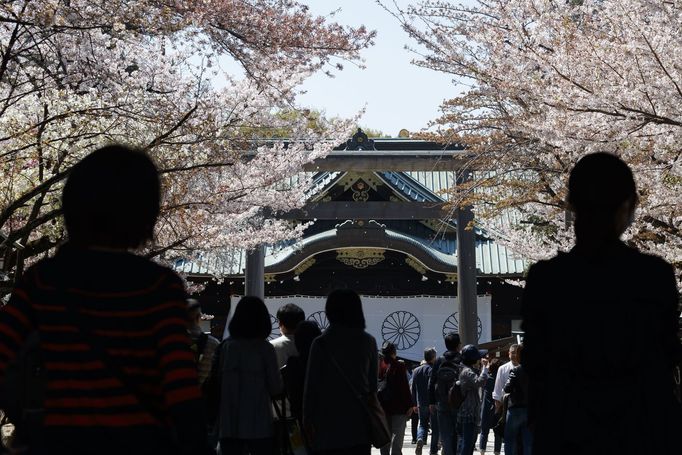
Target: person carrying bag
289, 439
341, 413
378, 423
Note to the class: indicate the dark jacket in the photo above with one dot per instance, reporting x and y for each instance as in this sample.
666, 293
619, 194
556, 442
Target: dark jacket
400, 398
249, 378
329, 405
591, 322
293, 374
471, 381
488, 404
118, 321
448, 356
517, 388
420, 384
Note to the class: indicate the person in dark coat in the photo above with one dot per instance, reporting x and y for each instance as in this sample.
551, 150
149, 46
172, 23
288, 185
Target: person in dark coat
293, 372
609, 313
420, 395
488, 416
438, 396
333, 414
517, 413
473, 377
398, 406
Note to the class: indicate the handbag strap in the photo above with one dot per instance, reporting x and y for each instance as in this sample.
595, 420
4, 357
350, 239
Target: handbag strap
279, 404
109, 362
343, 375
677, 381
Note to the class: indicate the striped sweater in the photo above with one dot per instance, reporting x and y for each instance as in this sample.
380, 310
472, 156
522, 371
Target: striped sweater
136, 311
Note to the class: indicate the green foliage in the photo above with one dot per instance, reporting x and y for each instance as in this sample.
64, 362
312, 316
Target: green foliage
372, 133
286, 119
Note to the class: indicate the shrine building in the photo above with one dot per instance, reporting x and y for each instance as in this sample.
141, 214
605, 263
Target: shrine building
382, 226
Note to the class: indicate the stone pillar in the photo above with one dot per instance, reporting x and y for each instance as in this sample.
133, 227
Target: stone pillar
466, 271
254, 279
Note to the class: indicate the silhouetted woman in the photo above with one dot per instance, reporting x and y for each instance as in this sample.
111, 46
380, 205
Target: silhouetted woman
294, 371
249, 378
121, 377
333, 414
602, 317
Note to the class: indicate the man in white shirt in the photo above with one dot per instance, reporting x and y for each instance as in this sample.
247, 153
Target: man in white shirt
289, 316
503, 375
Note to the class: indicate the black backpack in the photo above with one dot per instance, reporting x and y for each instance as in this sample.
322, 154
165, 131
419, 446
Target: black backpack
446, 376
455, 396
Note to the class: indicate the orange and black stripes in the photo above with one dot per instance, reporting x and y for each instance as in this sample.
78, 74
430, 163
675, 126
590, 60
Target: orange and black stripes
141, 323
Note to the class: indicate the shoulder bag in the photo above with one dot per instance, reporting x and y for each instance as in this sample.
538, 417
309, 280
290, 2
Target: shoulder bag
288, 435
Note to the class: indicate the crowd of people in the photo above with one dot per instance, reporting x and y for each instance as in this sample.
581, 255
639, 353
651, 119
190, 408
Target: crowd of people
128, 370
303, 354
250, 372
490, 397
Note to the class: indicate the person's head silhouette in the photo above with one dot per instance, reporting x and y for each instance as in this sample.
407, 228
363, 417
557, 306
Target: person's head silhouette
602, 194
251, 319
111, 199
344, 308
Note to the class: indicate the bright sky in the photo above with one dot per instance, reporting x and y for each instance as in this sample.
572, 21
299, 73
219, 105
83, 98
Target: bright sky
394, 93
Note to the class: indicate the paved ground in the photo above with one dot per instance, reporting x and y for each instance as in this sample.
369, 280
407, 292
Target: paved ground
408, 447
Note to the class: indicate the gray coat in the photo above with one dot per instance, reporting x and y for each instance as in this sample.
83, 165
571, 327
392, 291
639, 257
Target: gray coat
336, 415
471, 382
249, 378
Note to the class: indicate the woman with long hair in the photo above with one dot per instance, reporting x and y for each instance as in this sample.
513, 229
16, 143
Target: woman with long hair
249, 380
342, 371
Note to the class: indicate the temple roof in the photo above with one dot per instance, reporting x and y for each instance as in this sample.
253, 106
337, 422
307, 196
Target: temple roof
492, 259
437, 254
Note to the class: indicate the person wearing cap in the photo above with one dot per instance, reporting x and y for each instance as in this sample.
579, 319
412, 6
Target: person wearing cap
204, 347
473, 377
203, 344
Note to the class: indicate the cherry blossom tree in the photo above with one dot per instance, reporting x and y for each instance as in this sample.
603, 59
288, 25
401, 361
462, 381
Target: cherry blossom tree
545, 82
78, 74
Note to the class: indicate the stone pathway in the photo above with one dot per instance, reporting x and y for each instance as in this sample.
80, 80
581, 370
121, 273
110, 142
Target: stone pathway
408, 447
